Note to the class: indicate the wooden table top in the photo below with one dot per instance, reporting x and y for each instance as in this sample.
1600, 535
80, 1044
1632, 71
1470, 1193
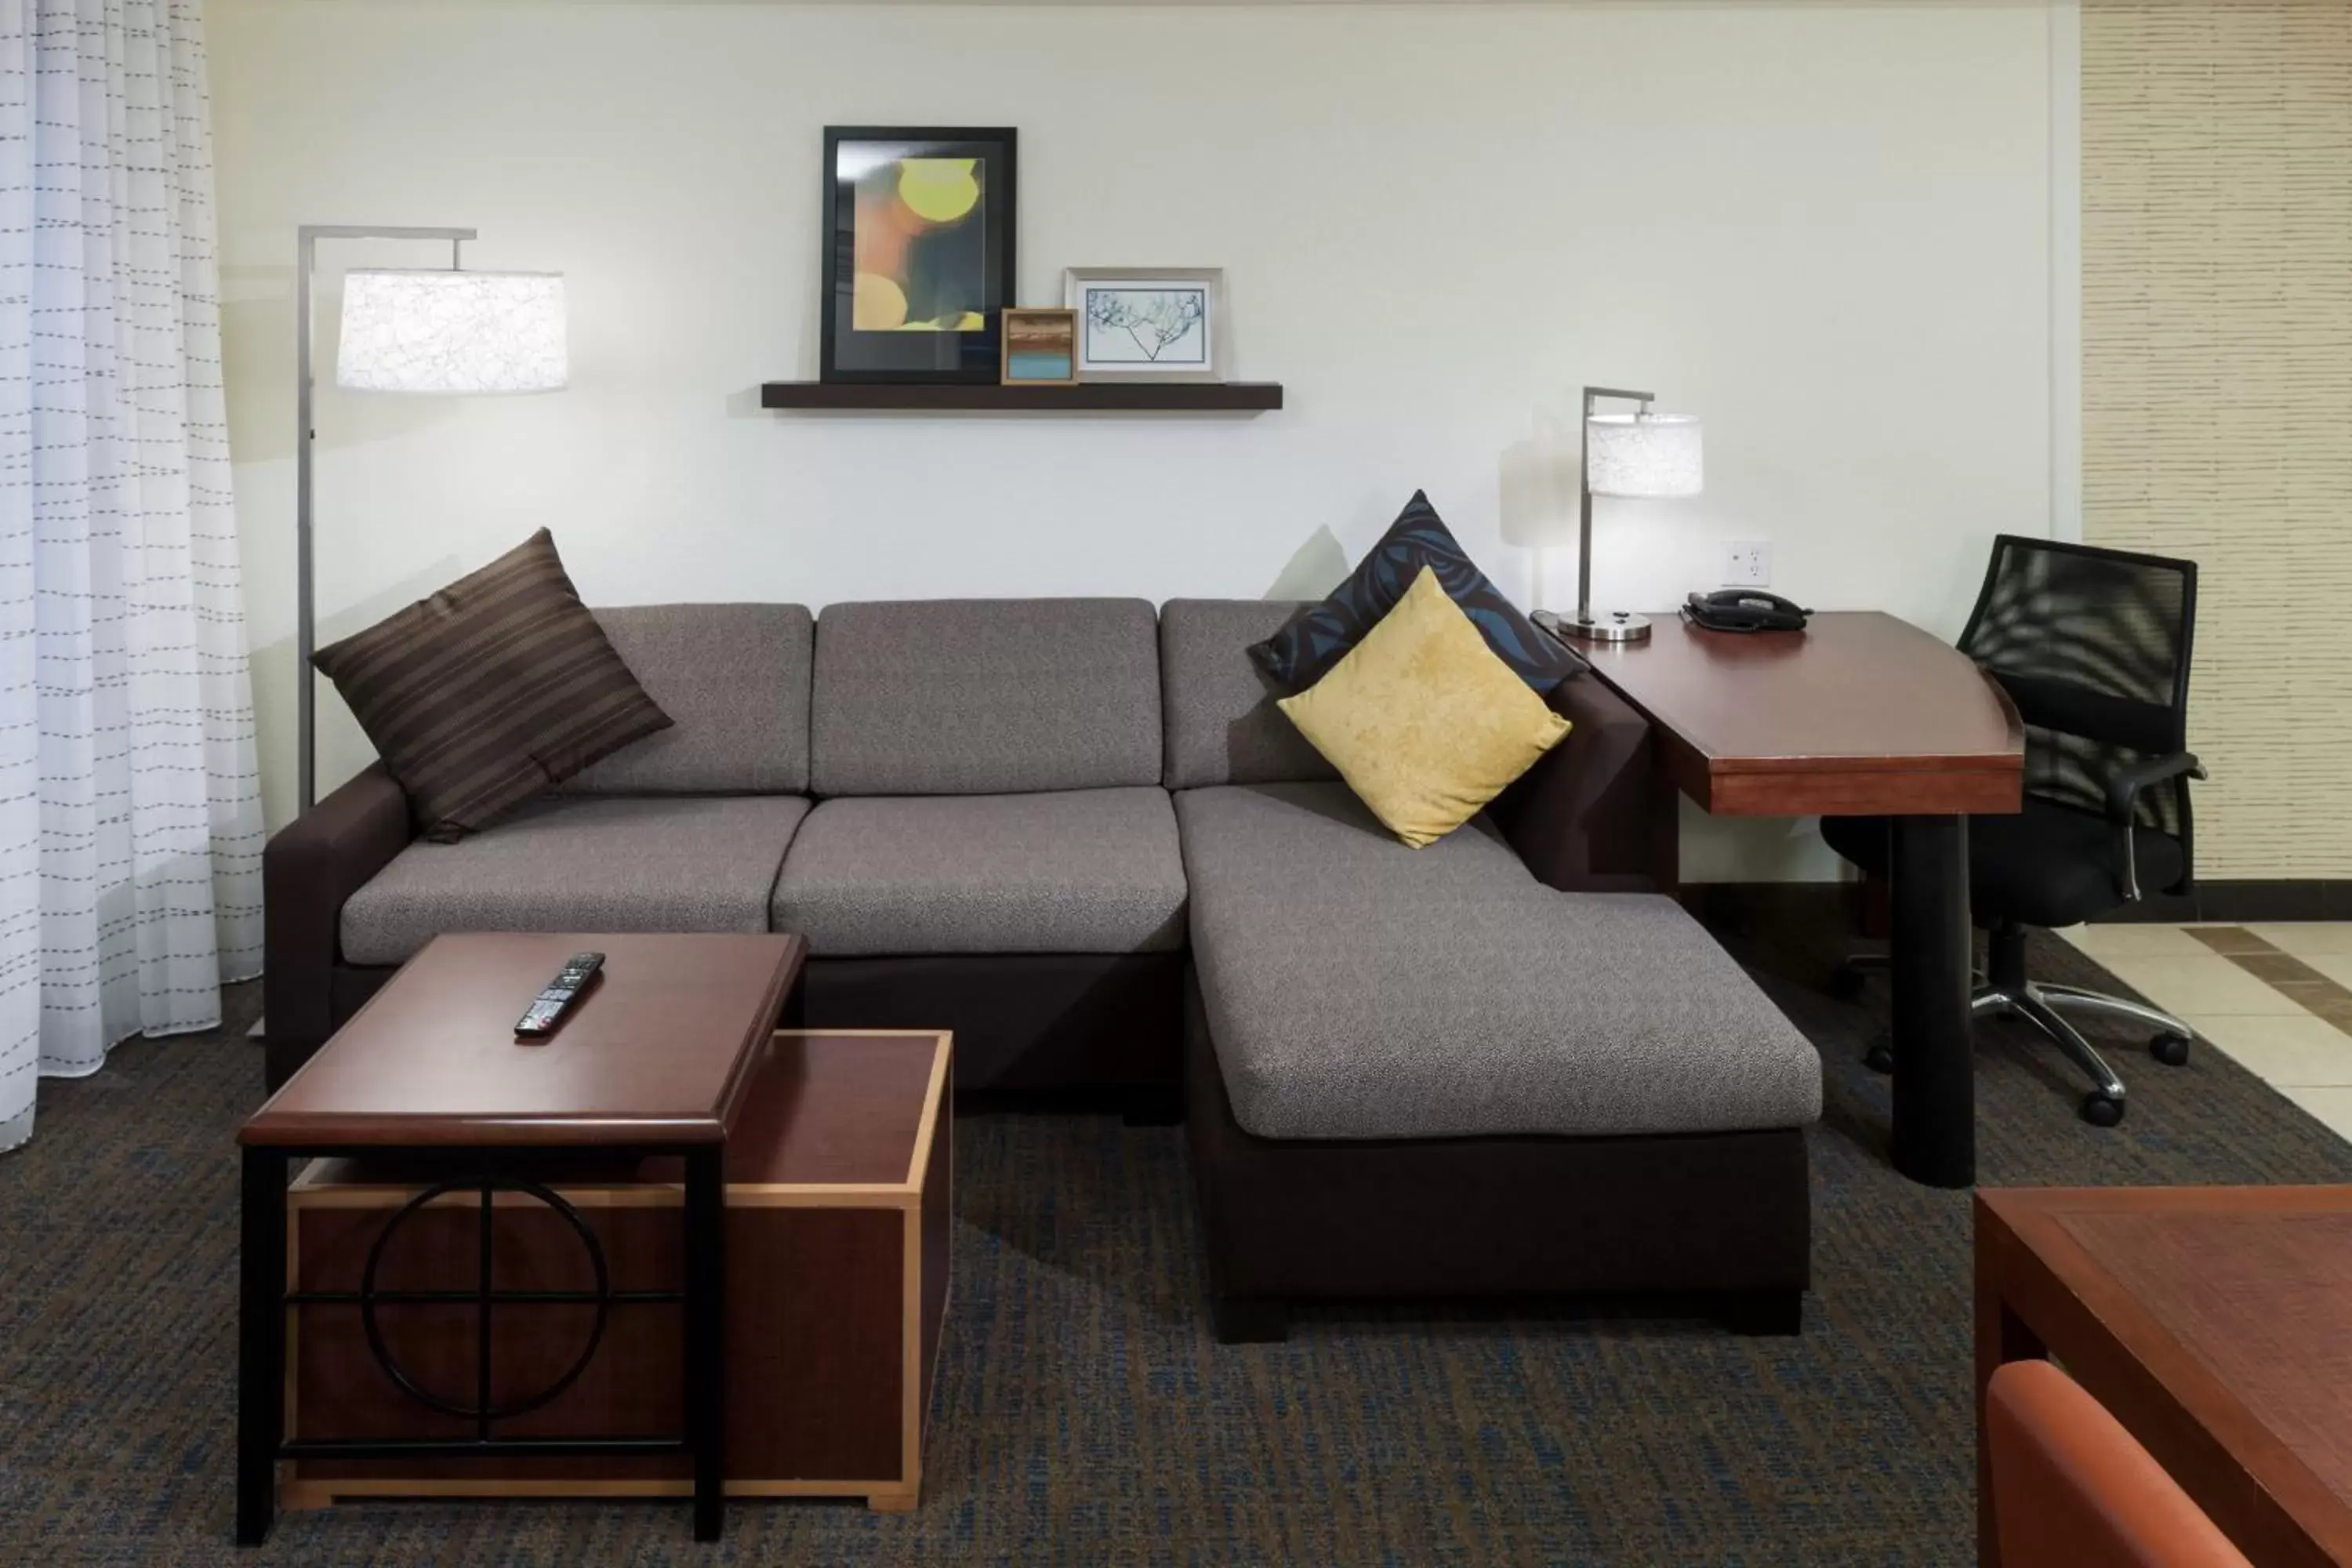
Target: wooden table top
2234, 1307
1860, 713
658, 1051
843, 1116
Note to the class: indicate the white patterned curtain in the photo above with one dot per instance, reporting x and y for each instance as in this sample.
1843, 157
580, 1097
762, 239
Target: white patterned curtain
130, 827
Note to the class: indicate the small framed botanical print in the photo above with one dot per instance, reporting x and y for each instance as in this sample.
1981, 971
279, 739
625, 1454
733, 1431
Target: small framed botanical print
1041, 347
917, 252
1148, 324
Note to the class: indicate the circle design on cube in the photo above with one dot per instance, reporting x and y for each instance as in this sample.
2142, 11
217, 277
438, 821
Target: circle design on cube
486, 1297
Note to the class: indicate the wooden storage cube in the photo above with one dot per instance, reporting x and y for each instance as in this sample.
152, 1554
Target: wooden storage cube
839, 1199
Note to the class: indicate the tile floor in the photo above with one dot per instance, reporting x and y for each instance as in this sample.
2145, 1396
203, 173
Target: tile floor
2276, 998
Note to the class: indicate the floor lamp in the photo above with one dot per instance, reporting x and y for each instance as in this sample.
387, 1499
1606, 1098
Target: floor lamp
440, 330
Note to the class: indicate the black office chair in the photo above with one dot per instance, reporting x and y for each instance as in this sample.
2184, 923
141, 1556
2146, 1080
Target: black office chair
2092, 647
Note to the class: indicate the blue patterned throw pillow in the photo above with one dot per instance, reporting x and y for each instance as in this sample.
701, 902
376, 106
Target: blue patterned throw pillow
1300, 654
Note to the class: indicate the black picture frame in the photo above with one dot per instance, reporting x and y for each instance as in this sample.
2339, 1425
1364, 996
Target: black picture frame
941, 356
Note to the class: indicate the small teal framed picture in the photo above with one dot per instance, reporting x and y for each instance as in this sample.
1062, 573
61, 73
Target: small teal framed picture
1041, 347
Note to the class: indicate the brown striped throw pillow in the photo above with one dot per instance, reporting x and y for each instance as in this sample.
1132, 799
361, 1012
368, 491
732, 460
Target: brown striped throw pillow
495, 687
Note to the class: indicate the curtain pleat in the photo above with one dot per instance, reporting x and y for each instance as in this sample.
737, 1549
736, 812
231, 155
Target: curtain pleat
131, 828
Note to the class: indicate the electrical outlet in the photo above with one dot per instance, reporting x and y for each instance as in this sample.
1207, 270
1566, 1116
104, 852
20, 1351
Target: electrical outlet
1748, 563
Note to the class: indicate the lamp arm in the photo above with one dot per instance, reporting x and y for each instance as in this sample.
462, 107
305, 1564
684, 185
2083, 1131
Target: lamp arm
1585, 513
307, 239
1592, 396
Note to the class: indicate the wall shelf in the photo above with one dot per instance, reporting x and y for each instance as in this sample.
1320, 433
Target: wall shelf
980, 397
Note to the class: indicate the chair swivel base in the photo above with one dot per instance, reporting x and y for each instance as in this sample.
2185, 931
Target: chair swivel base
2041, 1004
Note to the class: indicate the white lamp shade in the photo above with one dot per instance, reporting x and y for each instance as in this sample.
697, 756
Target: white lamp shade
1648, 455
451, 332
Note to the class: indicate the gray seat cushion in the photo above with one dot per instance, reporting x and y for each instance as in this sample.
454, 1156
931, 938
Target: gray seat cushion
1073, 871
986, 697
734, 679
675, 864
1359, 989
1223, 725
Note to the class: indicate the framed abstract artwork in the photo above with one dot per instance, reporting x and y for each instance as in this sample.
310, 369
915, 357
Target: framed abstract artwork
1148, 324
918, 253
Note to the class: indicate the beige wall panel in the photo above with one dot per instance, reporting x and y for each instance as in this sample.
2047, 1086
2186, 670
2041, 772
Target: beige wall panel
2217, 385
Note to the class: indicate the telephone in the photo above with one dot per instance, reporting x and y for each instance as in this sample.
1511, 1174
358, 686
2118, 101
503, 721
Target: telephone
1745, 610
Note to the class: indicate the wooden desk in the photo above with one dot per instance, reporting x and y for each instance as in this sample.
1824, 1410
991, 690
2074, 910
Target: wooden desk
2215, 1323
1864, 715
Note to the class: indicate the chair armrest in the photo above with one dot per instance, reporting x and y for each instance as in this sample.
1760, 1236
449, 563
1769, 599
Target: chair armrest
308, 871
1587, 818
2125, 786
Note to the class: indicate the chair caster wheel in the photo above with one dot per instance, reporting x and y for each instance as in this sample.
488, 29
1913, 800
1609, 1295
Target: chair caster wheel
2170, 1049
1846, 981
1880, 1057
2101, 1111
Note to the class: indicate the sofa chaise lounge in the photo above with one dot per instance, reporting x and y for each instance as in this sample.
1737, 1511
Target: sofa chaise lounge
1078, 833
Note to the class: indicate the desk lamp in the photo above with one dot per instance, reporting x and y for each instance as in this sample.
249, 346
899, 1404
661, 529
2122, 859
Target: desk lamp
436, 331
1646, 455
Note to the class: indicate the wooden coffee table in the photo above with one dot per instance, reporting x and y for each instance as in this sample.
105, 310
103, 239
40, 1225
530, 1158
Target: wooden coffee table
655, 1059
2215, 1323
840, 1175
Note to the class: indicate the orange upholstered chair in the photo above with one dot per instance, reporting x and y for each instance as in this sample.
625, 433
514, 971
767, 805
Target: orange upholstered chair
2073, 1489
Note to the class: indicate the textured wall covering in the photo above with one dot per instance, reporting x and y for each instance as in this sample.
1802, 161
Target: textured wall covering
2217, 384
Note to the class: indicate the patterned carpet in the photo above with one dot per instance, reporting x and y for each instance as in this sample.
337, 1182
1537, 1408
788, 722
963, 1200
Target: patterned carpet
1084, 1414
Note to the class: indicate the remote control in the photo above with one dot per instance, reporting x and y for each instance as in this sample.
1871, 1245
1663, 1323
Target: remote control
551, 1007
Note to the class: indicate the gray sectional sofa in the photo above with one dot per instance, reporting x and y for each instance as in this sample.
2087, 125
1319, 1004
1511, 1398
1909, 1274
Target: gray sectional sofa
1078, 833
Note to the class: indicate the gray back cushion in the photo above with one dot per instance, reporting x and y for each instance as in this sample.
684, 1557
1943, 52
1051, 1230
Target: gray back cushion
986, 697
734, 678
1223, 725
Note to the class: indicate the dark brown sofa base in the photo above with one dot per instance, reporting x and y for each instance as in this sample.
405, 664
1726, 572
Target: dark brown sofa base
347, 988
1077, 1024
1718, 1221
310, 869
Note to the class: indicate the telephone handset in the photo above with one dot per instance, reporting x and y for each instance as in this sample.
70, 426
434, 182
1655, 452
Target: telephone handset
1745, 610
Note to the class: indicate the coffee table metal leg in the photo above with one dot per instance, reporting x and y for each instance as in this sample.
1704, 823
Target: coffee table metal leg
1935, 1069
706, 1334
261, 1343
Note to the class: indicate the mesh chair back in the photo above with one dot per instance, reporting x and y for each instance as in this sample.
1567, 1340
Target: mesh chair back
2093, 646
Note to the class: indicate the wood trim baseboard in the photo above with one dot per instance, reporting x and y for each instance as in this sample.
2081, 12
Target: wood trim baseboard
302, 1495
652, 1195
2247, 899
2232, 902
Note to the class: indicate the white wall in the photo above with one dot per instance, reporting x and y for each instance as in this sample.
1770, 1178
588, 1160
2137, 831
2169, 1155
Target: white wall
1824, 227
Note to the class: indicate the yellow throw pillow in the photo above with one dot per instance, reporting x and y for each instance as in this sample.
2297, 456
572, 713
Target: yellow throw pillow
1421, 718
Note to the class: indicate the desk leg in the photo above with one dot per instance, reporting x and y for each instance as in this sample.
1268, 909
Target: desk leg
706, 1334
1934, 1077
261, 1343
